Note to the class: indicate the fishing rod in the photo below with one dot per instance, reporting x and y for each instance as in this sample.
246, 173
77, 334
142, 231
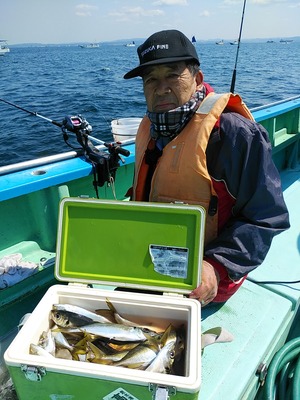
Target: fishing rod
237, 51
124, 152
104, 163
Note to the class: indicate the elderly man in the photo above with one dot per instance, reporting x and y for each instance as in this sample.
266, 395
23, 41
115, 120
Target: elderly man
197, 147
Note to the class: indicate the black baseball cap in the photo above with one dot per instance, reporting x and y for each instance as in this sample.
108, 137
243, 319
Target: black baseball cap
164, 47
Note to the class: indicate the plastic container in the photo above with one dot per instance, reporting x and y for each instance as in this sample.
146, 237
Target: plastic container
125, 128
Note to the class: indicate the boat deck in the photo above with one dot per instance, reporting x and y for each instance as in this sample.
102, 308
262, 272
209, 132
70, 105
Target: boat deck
259, 315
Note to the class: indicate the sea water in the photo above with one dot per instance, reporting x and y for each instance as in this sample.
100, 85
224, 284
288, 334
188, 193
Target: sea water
56, 81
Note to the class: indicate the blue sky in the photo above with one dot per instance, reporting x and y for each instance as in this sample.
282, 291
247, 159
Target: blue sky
62, 21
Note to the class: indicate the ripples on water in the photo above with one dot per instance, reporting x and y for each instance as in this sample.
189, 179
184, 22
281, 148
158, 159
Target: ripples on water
68, 80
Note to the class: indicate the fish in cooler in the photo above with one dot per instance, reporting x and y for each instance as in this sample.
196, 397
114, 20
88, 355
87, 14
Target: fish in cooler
68, 315
83, 335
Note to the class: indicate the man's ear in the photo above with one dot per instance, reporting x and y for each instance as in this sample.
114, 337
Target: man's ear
199, 79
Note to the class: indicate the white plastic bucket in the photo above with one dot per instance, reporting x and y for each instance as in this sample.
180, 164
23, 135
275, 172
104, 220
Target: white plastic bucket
124, 128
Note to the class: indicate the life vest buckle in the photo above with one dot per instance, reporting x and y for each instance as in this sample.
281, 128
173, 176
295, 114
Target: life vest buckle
213, 206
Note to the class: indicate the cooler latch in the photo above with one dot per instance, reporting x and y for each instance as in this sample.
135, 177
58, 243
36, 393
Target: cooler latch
173, 294
80, 285
33, 373
161, 392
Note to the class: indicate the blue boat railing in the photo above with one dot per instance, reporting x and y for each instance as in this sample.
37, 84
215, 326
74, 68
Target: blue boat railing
294, 102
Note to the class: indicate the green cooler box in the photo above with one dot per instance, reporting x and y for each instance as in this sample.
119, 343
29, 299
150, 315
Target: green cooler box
147, 250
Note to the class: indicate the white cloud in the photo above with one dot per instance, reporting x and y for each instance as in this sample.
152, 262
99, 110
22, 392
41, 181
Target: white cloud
258, 2
171, 3
127, 13
230, 2
262, 2
139, 11
84, 10
204, 13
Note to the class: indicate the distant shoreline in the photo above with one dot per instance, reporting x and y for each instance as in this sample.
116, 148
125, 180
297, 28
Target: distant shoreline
141, 40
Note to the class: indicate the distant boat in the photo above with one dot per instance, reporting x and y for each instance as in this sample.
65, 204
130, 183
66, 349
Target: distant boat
270, 41
131, 44
3, 47
194, 40
235, 42
90, 46
220, 42
285, 40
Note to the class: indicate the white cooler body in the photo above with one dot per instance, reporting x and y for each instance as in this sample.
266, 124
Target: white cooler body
37, 378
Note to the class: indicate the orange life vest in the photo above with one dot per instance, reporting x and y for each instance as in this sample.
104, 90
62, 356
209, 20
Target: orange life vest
181, 173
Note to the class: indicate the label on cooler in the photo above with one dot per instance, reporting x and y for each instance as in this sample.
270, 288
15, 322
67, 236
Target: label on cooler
120, 394
169, 260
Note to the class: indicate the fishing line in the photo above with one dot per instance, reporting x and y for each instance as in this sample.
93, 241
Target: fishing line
237, 51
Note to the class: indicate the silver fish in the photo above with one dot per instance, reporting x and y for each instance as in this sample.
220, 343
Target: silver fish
38, 350
61, 341
121, 320
46, 341
67, 315
162, 363
139, 357
112, 331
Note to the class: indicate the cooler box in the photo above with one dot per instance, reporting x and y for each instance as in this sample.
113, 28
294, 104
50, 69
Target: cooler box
153, 248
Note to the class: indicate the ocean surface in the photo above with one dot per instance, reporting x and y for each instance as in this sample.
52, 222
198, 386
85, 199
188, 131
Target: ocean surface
55, 81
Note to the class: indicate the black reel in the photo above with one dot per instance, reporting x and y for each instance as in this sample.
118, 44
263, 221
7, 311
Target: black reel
105, 163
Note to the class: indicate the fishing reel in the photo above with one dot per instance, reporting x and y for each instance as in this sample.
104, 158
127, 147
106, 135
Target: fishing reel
76, 124
105, 163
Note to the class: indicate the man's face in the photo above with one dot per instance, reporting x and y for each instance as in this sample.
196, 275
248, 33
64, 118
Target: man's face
168, 86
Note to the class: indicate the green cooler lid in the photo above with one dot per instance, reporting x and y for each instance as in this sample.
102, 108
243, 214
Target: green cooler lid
149, 246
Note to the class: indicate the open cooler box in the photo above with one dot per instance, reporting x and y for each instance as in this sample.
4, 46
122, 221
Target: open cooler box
109, 244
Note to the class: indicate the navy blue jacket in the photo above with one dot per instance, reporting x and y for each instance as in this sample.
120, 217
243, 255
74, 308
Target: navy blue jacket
239, 156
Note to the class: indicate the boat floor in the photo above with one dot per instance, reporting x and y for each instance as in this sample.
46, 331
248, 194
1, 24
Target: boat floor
259, 316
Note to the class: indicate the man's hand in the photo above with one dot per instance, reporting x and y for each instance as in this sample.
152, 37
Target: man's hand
208, 288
